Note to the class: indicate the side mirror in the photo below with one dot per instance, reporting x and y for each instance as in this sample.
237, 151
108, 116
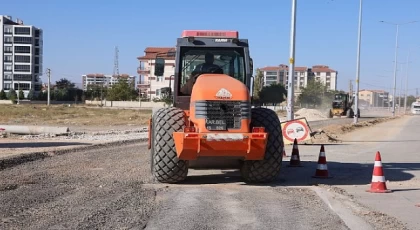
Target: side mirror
159, 67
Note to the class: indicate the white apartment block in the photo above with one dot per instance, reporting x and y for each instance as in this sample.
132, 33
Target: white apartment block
21, 61
280, 74
149, 84
105, 80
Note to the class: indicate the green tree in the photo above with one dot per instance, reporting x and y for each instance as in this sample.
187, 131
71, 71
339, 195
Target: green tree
274, 93
64, 83
314, 94
3, 95
258, 83
21, 95
122, 91
12, 95
31, 94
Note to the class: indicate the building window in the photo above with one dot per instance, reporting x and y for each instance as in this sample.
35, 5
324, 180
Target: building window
8, 58
7, 67
24, 59
8, 40
328, 73
22, 40
8, 30
22, 86
22, 68
22, 77
271, 73
8, 77
8, 49
157, 92
7, 86
23, 49
23, 30
318, 73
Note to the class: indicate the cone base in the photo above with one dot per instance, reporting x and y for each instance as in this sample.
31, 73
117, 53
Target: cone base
321, 177
299, 165
378, 191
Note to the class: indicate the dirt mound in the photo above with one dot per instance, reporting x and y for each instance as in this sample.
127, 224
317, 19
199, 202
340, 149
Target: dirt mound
331, 133
310, 114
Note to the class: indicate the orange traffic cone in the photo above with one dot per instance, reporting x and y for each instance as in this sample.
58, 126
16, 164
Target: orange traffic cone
295, 158
378, 184
322, 169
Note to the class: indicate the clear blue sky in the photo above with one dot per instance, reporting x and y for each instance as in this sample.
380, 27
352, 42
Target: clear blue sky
80, 36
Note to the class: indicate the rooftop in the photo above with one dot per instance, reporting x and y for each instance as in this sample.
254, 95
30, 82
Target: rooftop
152, 52
315, 68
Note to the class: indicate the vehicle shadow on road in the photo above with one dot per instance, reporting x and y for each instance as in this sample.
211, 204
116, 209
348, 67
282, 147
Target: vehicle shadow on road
38, 144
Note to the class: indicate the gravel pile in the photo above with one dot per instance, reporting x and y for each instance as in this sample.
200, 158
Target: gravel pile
310, 114
110, 135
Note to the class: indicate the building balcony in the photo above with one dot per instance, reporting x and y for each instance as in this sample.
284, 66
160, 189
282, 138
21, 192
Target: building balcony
142, 70
143, 84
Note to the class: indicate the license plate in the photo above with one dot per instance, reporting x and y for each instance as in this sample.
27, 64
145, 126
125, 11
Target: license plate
215, 124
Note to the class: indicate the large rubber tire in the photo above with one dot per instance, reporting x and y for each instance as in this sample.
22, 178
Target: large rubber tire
166, 166
330, 114
267, 169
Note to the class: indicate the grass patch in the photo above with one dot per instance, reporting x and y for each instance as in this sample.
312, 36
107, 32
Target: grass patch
74, 115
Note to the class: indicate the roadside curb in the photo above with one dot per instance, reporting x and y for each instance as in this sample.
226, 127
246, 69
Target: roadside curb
11, 161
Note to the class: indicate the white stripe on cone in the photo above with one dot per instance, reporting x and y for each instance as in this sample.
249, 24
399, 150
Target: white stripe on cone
294, 157
322, 167
378, 164
295, 147
322, 154
378, 179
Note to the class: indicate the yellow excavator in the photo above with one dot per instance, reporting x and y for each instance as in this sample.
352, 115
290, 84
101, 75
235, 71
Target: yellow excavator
342, 106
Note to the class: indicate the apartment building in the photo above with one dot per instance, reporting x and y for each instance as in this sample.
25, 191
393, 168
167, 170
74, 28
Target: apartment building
280, 74
149, 84
326, 75
21, 47
374, 98
106, 80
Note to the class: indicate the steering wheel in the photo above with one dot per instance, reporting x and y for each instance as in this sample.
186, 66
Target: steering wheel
215, 69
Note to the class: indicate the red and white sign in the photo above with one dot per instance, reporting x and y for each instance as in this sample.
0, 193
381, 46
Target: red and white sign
298, 129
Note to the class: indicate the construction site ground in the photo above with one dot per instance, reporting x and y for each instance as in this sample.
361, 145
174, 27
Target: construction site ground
112, 188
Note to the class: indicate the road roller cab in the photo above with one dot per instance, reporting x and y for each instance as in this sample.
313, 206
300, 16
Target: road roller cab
211, 114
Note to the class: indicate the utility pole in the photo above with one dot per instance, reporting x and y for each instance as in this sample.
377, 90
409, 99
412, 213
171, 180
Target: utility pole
351, 88
291, 78
359, 41
395, 62
406, 82
49, 85
18, 92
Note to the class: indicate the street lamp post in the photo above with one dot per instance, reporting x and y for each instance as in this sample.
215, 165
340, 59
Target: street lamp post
291, 85
359, 41
395, 61
406, 82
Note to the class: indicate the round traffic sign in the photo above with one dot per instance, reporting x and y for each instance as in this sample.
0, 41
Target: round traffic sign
295, 129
